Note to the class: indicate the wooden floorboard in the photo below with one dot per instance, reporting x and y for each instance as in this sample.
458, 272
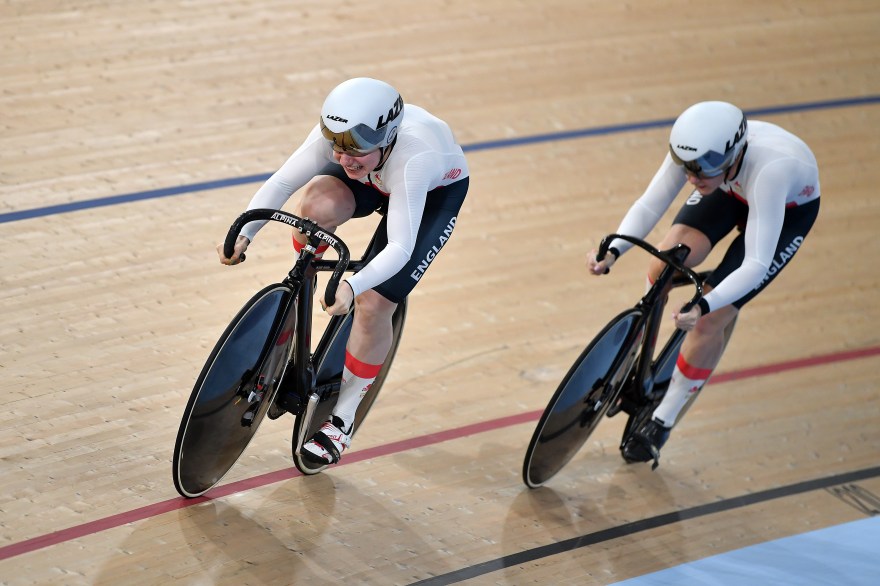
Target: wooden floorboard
109, 311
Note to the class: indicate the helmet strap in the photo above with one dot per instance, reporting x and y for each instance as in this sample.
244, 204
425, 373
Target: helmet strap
738, 162
386, 152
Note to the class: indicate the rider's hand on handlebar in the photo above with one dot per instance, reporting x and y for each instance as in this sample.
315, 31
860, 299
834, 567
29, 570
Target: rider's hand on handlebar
241, 244
687, 321
600, 267
344, 299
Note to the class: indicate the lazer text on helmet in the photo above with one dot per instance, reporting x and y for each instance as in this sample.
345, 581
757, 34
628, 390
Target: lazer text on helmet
393, 113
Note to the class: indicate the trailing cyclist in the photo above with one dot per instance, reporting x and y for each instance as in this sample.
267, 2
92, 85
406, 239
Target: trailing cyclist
751, 176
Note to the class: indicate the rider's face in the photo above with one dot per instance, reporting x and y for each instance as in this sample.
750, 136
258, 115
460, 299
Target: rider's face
360, 166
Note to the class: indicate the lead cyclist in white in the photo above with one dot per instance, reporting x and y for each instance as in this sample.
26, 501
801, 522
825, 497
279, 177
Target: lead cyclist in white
369, 152
747, 175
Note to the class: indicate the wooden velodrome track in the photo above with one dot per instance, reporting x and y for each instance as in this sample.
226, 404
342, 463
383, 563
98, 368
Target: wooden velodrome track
133, 133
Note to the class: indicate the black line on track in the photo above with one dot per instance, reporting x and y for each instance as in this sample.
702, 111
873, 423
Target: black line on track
635, 527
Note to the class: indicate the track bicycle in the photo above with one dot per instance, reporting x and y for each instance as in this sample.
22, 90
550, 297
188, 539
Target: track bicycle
617, 372
264, 359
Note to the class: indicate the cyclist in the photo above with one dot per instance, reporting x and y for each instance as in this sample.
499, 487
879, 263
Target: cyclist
369, 152
753, 176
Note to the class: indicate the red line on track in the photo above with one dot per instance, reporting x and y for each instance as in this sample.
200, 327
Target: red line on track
796, 364
162, 507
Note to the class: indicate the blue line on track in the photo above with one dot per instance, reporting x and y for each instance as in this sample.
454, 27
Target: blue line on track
480, 146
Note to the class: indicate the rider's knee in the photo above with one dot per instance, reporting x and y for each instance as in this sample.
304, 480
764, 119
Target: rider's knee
371, 305
699, 244
327, 200
716, 322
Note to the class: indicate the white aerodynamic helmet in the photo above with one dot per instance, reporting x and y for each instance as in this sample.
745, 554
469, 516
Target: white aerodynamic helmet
707, 138
361, 115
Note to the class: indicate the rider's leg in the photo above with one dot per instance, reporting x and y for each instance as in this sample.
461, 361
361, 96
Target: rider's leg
368, 346
700, 353
653, 434
702, 348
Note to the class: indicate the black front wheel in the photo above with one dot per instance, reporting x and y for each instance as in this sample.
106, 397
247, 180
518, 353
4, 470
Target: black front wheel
589, 388
234, 391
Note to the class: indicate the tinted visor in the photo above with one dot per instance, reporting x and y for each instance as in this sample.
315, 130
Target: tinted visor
358, 141
711, 164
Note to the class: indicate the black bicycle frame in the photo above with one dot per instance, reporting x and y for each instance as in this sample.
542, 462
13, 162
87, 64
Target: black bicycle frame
643, 378
301, 280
